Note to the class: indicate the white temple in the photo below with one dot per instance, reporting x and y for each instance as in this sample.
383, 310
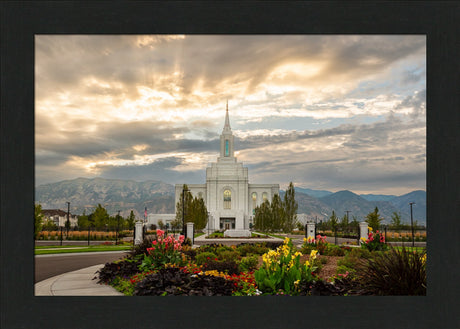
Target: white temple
228, 196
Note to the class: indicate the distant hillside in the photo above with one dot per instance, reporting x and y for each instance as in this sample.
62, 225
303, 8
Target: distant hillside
360, 207
313, 193
85, 194
418, 209
158, 197
377, 197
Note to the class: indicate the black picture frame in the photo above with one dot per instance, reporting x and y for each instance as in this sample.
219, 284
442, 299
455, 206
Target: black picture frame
20, 21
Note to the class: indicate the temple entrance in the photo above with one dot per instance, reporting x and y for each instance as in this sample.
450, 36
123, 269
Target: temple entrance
227, 223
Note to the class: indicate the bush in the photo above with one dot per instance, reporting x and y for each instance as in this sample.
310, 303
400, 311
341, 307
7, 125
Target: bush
229, 256
141, 249
249, 248
395, 273
333, 250
248, 263
204, 257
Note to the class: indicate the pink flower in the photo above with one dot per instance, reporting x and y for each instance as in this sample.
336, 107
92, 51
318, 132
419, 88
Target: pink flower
181, 238
154, 243
160, 233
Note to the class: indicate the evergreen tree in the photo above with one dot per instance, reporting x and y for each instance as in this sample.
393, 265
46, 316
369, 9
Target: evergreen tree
344, 224
199, 213
161, 225
262, 218
38, 220
188, 206
373, 219
131, 221
396, 223
333, 222
290, 208
277, 220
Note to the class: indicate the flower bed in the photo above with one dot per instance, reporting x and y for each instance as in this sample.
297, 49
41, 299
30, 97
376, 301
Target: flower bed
165, 266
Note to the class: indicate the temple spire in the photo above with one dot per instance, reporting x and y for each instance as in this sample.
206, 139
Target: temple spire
227, 120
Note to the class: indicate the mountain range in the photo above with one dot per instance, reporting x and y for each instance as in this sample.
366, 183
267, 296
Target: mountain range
125, 195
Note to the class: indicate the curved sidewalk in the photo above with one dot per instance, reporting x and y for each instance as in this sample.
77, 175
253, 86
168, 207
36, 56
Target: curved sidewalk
75, 283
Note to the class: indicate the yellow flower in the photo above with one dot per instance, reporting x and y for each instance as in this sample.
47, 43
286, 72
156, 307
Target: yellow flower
307, 263
286, 240
296, 282
304, 239
313, 254
369, 228
363, 239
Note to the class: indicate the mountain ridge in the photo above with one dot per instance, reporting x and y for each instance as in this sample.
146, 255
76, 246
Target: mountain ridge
85, 194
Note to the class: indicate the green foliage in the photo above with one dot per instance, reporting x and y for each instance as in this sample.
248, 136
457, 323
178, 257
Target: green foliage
278, 215
49, 225
395, 273
396, 223
231, 256
38, 220
164, 250
373, 219
334, 221
100, 217
131, 221
282, 270
195, 210
246, 249
249, 263
290, 208
161, 225
333, 250
204, 257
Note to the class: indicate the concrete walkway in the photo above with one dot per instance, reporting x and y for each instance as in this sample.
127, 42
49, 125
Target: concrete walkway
76, 283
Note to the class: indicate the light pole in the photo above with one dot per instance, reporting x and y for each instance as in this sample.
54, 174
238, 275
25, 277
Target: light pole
183, 211
411, 222
348, 219
118, 223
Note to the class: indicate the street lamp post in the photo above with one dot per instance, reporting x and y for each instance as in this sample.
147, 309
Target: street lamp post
411, 222
118, 224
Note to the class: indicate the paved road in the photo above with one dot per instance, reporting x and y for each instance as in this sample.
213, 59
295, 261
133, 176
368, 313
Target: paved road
47, 266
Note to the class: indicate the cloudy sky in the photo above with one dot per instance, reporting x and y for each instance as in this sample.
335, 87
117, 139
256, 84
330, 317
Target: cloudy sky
328, 112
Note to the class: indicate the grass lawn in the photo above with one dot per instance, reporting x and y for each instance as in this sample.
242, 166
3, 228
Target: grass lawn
418, 249
43, 250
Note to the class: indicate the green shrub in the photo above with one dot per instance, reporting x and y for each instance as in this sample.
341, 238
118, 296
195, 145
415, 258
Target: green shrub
204, 257
395, 273
333, 250
246, 249
222, 249
249, 263
231, 256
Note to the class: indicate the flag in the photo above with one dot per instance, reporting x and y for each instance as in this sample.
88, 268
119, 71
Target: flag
145, 212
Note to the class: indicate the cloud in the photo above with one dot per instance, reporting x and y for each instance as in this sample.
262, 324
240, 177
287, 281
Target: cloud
134, 106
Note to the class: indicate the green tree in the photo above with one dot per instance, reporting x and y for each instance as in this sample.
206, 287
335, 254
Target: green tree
373, 219
344, 224
161, 225
100, 217
354, 224
187, 206
131, 221
396, 223
290, 208
199, 213
277, 220
83, 220
38, 220
49, 225
262, 218
334, 222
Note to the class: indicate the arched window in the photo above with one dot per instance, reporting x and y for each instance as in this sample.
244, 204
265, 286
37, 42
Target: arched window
227, 199
264, 196
254, 202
